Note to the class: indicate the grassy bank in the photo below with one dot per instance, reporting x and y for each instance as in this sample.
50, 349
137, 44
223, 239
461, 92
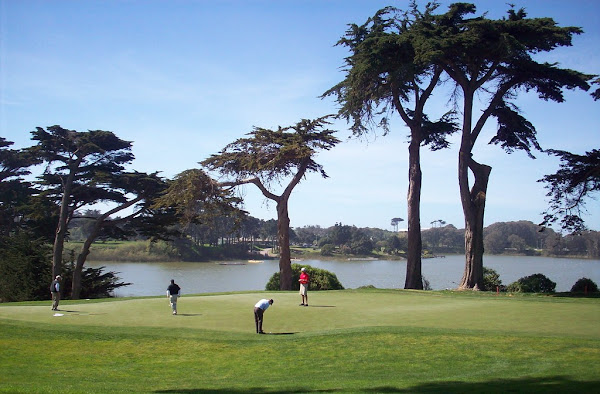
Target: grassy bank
143, 251
160, 251
346, 341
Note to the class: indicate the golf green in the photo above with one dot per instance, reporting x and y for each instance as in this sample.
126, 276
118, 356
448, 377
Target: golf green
332, 310
345, 341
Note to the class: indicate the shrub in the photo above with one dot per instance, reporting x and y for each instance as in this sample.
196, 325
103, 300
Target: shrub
95, 282
536, 283
584, 285
25, 267
362, 246
491, 280
345, 249
327, 250
320, 279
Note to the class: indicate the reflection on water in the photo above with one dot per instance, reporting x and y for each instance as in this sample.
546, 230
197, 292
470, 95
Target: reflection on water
442, 273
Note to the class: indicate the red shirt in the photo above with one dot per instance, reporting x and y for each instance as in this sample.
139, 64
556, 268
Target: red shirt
304, 278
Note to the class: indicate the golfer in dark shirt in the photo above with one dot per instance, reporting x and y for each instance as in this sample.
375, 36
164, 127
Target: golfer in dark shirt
55, 291
173, 293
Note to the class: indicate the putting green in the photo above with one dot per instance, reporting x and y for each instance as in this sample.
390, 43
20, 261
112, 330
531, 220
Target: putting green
332, 310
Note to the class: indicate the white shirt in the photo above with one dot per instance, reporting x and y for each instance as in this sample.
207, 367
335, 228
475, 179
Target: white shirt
262, 304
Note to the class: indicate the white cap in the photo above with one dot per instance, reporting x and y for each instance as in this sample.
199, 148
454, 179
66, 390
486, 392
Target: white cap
303, 269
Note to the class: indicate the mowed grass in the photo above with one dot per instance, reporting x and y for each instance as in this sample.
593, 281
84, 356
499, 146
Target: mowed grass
346, 341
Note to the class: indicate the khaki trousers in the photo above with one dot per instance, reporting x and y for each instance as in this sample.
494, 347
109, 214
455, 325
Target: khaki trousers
55, 300
173, 301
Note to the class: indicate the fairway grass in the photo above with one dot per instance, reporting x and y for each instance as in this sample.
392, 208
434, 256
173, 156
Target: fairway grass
345, 341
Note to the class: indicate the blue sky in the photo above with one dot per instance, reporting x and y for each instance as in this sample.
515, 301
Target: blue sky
182, 78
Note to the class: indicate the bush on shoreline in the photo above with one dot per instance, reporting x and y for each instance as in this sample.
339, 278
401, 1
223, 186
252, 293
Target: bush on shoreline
536, 283
320, 279
584, 285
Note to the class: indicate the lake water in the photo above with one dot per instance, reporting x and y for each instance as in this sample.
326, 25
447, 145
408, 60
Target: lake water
442, 273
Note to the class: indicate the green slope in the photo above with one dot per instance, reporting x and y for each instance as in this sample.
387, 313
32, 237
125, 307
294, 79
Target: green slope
346, 341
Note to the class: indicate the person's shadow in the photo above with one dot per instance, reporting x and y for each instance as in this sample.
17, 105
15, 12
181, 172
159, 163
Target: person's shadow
78, 312
280, 333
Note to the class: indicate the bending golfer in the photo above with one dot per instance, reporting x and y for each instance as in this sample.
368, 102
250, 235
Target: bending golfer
259, 310
304, 279
173, 293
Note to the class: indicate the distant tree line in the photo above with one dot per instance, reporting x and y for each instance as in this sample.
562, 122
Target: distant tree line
251, 234
520, 237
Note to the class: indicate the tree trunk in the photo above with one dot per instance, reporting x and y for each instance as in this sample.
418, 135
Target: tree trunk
61, 227
474, 209
59, 238
414, 279
283, 234
76, 282
81, 258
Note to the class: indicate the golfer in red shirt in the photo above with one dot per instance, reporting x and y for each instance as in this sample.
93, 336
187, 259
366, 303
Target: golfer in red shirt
304, 279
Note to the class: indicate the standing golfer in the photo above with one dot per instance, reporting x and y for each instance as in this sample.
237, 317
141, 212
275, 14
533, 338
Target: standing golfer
259, 310
173, 292
304, 279
55, 290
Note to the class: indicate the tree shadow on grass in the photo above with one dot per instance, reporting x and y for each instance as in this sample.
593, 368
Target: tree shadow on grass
553, 384
257, 390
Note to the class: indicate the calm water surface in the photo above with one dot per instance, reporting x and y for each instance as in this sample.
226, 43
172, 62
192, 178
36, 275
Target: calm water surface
442, 273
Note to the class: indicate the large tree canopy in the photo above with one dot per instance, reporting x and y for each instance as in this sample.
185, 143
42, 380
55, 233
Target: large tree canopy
271, 156
75, 161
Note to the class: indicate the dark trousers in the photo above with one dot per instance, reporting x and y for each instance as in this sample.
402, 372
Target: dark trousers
258, 318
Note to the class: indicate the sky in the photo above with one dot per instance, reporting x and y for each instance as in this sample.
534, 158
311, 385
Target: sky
183, 78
